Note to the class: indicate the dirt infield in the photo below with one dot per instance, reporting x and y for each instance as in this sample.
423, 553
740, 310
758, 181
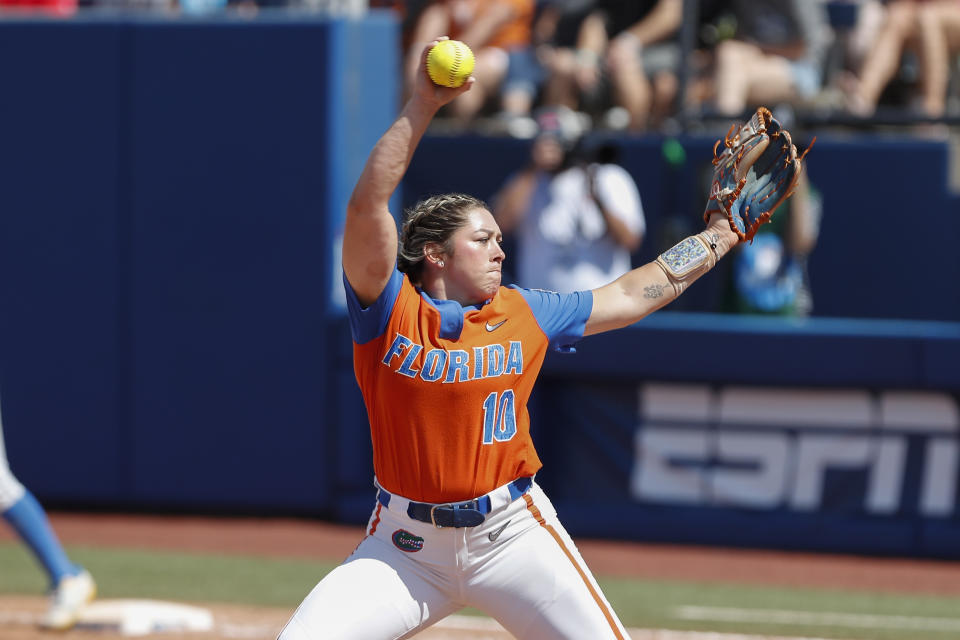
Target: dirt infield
313, 539
234, 622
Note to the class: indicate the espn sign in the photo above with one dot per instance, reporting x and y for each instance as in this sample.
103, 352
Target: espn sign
766, 448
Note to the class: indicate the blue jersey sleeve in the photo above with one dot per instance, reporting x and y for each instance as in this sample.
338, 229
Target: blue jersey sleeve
562, 316
367, 324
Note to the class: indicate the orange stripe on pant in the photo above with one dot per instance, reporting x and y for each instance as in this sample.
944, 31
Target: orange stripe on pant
532, 508
371, 528
376, 519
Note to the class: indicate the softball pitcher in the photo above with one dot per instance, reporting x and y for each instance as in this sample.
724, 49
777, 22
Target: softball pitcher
71, 586
446, 359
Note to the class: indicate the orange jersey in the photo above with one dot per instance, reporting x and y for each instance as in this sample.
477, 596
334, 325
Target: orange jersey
446, 387
515, 32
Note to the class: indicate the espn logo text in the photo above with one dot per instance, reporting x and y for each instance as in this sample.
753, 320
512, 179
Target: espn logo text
762, 448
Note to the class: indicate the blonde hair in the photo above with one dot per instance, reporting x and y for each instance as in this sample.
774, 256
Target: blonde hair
431, 221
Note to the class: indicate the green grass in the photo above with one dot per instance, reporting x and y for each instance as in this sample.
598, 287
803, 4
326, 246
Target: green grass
130, 573
642, 603
277, 582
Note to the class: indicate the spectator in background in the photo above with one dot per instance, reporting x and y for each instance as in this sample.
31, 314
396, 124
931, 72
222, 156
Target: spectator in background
61, 8
626, 62
940, 41
493, 29
578, 220
927, 30
606, 64
662, 60
554, 30
897, 35
210, 7
775, 57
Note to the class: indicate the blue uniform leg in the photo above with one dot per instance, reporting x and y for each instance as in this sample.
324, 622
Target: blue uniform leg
71, 587
30, 522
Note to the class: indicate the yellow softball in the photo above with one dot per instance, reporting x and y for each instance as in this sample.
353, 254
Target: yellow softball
450, 63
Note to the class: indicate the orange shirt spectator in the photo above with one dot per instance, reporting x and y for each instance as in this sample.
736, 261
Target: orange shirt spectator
57, 7
491, 28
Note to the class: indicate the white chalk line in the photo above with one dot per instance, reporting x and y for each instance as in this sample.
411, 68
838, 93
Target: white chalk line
816, 618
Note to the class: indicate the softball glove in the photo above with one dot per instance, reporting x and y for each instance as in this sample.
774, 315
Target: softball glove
757, 170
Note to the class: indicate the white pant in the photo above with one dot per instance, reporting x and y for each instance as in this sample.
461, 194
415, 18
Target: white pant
406, 575
10, 489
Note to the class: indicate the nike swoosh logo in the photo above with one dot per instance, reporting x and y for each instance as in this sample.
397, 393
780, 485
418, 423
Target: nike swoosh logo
493, 535
494, 327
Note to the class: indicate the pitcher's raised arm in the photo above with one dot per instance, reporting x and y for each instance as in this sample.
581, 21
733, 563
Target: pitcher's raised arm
370, 233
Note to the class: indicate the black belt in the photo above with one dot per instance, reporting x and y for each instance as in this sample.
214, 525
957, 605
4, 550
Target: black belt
457, 514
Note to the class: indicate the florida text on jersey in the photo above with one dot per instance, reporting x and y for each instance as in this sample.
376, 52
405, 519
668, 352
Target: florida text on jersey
462, 377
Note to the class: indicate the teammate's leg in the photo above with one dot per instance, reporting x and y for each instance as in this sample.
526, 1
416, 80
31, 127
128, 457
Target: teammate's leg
28, 519
71, 586
537, 584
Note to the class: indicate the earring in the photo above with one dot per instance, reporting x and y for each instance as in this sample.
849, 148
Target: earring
439, 263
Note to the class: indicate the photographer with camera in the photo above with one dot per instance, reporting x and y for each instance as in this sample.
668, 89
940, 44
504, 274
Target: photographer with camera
577, 215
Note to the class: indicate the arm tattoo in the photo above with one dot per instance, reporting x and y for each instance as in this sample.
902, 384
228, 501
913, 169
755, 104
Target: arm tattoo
653, 291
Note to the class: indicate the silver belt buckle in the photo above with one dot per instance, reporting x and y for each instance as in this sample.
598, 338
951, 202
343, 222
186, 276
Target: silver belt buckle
433, 518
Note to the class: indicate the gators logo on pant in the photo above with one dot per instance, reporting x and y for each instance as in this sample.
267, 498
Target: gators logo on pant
406, 541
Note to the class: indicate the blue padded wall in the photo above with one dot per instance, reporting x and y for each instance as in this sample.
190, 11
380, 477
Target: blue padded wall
59, 295
173, 195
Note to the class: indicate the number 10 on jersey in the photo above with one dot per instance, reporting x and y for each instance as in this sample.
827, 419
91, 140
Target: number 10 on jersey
499, 417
